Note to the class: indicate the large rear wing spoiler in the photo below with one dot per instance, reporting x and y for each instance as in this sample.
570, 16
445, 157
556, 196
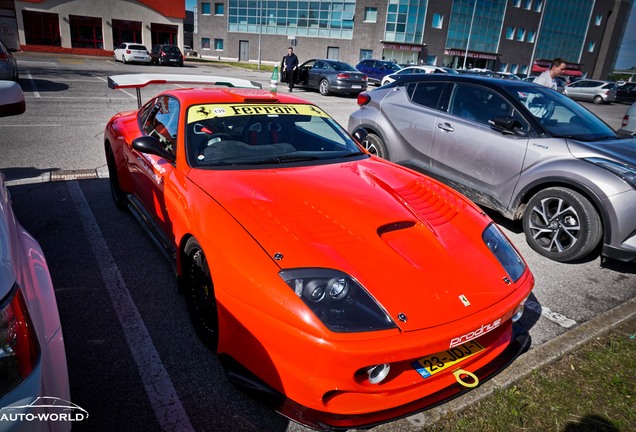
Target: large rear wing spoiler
137, 81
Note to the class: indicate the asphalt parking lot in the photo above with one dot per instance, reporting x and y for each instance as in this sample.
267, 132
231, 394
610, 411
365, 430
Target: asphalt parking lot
95, 253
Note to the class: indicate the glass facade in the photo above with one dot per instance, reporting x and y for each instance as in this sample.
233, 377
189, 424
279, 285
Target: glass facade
565, 24
486, 24
333, 19
405, 21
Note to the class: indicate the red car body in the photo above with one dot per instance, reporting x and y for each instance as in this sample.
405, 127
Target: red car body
409, 273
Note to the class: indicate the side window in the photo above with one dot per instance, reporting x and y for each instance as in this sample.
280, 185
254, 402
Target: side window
425, 94
481, 105
162, 120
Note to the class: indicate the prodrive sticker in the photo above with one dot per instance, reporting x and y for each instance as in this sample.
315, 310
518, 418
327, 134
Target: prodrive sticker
202, 112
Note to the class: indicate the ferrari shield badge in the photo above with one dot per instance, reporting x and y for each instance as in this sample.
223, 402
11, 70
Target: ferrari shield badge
464, 300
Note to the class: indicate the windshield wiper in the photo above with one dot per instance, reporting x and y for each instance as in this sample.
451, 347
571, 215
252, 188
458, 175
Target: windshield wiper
284, 159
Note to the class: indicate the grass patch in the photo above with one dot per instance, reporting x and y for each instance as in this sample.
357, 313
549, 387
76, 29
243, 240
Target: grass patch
241, 65
591, 389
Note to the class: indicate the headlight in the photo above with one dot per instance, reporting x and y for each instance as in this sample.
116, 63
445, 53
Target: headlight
338, 300
626, 172
504, 251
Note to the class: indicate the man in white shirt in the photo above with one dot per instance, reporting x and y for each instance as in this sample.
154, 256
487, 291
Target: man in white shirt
548, 77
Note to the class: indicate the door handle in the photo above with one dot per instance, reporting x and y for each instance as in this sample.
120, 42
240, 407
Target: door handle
445, 127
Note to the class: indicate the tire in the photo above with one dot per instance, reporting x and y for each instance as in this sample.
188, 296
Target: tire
324, 87
119, 197
561, 224
199, 292
598, 100
375, 146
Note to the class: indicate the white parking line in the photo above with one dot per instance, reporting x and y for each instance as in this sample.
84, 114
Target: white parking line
161, 392
32, 83
556, 317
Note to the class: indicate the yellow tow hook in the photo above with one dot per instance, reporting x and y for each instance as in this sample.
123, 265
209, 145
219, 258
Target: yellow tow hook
461, 374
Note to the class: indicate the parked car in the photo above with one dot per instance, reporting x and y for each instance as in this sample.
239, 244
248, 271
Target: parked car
628, 127
560, 82
8, 64
521, 149
375, 70
626, 92
596, 91
330, 76
321, 275
166, 55
189, 51
413, 70
128, 52
32, 356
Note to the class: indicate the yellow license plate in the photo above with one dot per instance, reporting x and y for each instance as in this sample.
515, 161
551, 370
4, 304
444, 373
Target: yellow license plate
435, 363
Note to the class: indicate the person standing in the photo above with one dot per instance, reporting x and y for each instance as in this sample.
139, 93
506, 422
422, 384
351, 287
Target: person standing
289, 66
548, 77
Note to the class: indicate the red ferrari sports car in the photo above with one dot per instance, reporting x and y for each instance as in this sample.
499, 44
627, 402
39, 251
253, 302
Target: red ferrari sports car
348, 290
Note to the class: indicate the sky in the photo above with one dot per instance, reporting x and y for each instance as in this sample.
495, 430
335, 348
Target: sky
626, 55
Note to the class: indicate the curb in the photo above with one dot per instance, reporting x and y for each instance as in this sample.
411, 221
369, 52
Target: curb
522, 367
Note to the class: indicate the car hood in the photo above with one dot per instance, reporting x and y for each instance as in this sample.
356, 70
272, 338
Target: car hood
414, 244
619, 150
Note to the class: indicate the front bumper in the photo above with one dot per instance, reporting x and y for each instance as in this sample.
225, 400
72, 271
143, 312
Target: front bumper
319, 420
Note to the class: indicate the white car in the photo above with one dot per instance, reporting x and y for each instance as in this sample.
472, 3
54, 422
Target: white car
129, 52
32, 355
628, 126
424, 69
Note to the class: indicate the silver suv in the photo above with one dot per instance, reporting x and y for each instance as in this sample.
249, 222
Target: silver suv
521, 149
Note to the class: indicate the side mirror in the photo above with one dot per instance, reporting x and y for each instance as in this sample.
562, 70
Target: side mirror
507, 125
360, 135
152, 145
12, 100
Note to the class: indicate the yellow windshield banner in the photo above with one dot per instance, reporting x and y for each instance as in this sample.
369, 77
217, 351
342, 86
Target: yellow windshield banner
203, 112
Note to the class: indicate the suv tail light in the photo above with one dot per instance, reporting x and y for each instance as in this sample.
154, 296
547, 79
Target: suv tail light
19, 348
363, 99
625, 120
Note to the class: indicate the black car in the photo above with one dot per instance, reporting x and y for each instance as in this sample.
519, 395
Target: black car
330, 76
626, 92
166, 55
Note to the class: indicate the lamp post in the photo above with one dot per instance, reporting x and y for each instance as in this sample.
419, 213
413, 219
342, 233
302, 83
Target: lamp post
260, 31
470, 31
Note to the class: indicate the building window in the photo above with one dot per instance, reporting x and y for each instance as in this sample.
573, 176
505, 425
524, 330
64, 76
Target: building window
218, 44
366, 54
510, 33
516, 3
370, 14
86, 32
205, 8
524, 70
521, 34
514, 68
431, 60
41, 28
531, 35
438, 21
538, 5
590, 46
503, 67
598, 20
205, 43
218, 9
527, 4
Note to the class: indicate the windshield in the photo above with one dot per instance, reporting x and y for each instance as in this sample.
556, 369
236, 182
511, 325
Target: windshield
392, 66
221, 135
560, 115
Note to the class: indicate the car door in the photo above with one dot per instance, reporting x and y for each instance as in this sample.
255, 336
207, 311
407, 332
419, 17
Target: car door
412, 111
149, 172
316, 72
470, 154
